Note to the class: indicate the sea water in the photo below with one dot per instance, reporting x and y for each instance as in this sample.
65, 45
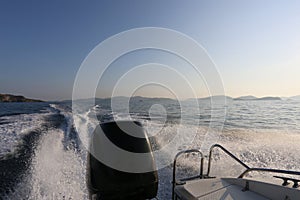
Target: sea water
43, 153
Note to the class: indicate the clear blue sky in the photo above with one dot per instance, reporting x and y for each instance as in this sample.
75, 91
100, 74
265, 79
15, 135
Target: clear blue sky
255, 44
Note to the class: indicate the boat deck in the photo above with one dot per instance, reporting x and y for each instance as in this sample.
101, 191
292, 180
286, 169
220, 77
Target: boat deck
214, 189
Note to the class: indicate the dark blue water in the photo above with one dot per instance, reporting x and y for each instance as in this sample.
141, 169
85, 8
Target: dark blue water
8, 109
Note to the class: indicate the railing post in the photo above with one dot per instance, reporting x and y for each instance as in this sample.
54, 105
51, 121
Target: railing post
174, 166
174, 177
201, 167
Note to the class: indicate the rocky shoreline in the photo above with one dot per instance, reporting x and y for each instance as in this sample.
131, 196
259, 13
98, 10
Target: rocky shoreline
16, 98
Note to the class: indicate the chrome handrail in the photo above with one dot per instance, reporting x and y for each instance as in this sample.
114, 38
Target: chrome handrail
248, 169
174, 182
227, 152
279, 171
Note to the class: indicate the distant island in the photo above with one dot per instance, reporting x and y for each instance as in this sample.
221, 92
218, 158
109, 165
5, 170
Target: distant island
242, 98
297, 98
209, 98
16, 98
253, 98
216, 97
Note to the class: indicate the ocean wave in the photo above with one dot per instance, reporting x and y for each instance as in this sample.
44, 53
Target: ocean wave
57, 166
13, 128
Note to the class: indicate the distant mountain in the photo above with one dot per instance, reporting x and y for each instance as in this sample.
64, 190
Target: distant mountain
246, 98
253, 98
294, 98
14, 98
269, 98
217, 97
210, 98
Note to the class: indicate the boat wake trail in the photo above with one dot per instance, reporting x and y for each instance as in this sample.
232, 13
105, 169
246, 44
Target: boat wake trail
43, 157
55, 173
49, 164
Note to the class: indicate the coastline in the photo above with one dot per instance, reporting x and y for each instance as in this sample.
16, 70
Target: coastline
8, 98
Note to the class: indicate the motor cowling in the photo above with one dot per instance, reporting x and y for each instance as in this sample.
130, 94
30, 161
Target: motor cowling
113, 175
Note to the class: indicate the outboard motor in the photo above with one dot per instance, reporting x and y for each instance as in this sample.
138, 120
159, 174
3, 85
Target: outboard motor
120, 163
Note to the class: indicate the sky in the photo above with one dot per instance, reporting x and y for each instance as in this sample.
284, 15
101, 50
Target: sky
254, 44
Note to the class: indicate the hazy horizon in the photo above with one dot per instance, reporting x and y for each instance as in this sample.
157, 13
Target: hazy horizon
255, 45
160, 97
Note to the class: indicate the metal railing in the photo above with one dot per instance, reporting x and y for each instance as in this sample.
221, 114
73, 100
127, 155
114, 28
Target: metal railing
278, 171
174, 181
227, 152
206, 176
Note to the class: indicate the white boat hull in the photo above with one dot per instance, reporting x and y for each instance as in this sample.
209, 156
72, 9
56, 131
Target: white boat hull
234, 188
